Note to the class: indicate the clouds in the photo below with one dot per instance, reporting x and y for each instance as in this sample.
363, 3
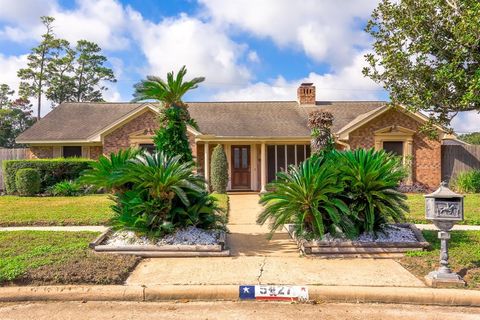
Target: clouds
185, 40
466, 122
9, 66
346, 84
246, 49
326, 31
100, 21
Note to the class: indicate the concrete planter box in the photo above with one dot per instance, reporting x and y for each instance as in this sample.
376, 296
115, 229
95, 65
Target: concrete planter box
356, 249
152, 251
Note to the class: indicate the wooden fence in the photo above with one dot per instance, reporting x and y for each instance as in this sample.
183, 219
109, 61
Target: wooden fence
458, 158
10, 154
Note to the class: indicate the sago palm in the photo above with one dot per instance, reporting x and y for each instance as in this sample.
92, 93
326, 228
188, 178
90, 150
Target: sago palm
371, 178
169, 92
307, 197
102, 172
172, 136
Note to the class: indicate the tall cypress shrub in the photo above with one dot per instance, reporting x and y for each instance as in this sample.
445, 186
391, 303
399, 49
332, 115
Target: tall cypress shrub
219, 170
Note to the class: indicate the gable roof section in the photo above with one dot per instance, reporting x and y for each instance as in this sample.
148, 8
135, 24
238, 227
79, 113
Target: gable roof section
86, 122
76, 121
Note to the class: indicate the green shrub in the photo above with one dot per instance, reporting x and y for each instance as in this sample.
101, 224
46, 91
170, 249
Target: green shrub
51, 171
155, 194
27, 182
308, 197
345, 193
65, 189
467, 182
103, 173
371, 178
219, 170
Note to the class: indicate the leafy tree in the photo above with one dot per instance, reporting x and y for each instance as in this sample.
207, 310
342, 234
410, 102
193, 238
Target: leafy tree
472, 138
219, 170
90, 72
5, 96
35, 76
79, 74
60, 80
427, 55
171, 138
15, 116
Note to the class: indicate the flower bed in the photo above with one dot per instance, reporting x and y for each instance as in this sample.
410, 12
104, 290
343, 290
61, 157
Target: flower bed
188, 242
396, 240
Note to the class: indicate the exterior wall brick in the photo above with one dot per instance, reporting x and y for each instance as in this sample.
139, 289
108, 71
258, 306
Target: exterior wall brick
119, 138
96, 152
426, 164
43, 152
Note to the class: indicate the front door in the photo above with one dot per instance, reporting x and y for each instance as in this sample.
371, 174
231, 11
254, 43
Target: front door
241, 167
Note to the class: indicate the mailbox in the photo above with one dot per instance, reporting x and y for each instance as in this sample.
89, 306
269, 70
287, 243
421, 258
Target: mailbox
444, 208
444, 205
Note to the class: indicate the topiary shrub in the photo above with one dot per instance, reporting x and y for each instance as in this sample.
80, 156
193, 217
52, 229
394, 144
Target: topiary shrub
219, 170
27, 182
51, 171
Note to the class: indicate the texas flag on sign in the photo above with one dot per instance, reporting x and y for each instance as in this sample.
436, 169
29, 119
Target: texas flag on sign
247, 292
274, 292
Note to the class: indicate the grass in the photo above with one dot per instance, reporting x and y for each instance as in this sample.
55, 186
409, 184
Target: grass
84, 210
416, 203
47, 257
63, 211
223, 203
464, 251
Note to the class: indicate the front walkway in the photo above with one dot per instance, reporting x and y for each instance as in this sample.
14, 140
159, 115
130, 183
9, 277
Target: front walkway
246, 238
255, 260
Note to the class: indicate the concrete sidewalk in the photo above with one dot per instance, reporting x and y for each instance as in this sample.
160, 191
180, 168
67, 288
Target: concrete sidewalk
271, 270
256, 260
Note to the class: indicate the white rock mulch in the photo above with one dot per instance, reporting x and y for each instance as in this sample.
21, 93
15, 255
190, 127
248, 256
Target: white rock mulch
187, 236
390, 233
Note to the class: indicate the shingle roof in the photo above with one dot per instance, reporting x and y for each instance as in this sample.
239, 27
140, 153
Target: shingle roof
77, 121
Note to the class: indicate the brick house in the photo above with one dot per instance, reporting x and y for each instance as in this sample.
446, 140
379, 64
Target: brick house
260, 137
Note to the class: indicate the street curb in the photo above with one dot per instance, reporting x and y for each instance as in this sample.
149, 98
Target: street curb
349, 294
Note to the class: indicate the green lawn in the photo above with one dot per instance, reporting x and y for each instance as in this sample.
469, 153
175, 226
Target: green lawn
464, 251
223, 203
416, 203
85, 210
47, 257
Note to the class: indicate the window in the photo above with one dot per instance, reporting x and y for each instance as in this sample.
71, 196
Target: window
149, 147
72, 152
394, 147
279, 157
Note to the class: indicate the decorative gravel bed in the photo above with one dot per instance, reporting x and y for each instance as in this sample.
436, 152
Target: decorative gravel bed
393, 241
188, 242
188, 236
390, 233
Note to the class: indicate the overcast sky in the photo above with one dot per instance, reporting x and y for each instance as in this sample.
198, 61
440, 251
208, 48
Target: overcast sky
247, 49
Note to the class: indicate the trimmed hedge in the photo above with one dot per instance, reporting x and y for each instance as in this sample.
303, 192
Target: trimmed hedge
27, 182
51, 171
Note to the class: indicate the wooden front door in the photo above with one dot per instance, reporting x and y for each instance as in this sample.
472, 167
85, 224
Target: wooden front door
241, 167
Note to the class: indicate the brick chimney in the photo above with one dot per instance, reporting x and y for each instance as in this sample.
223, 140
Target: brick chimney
306, 93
